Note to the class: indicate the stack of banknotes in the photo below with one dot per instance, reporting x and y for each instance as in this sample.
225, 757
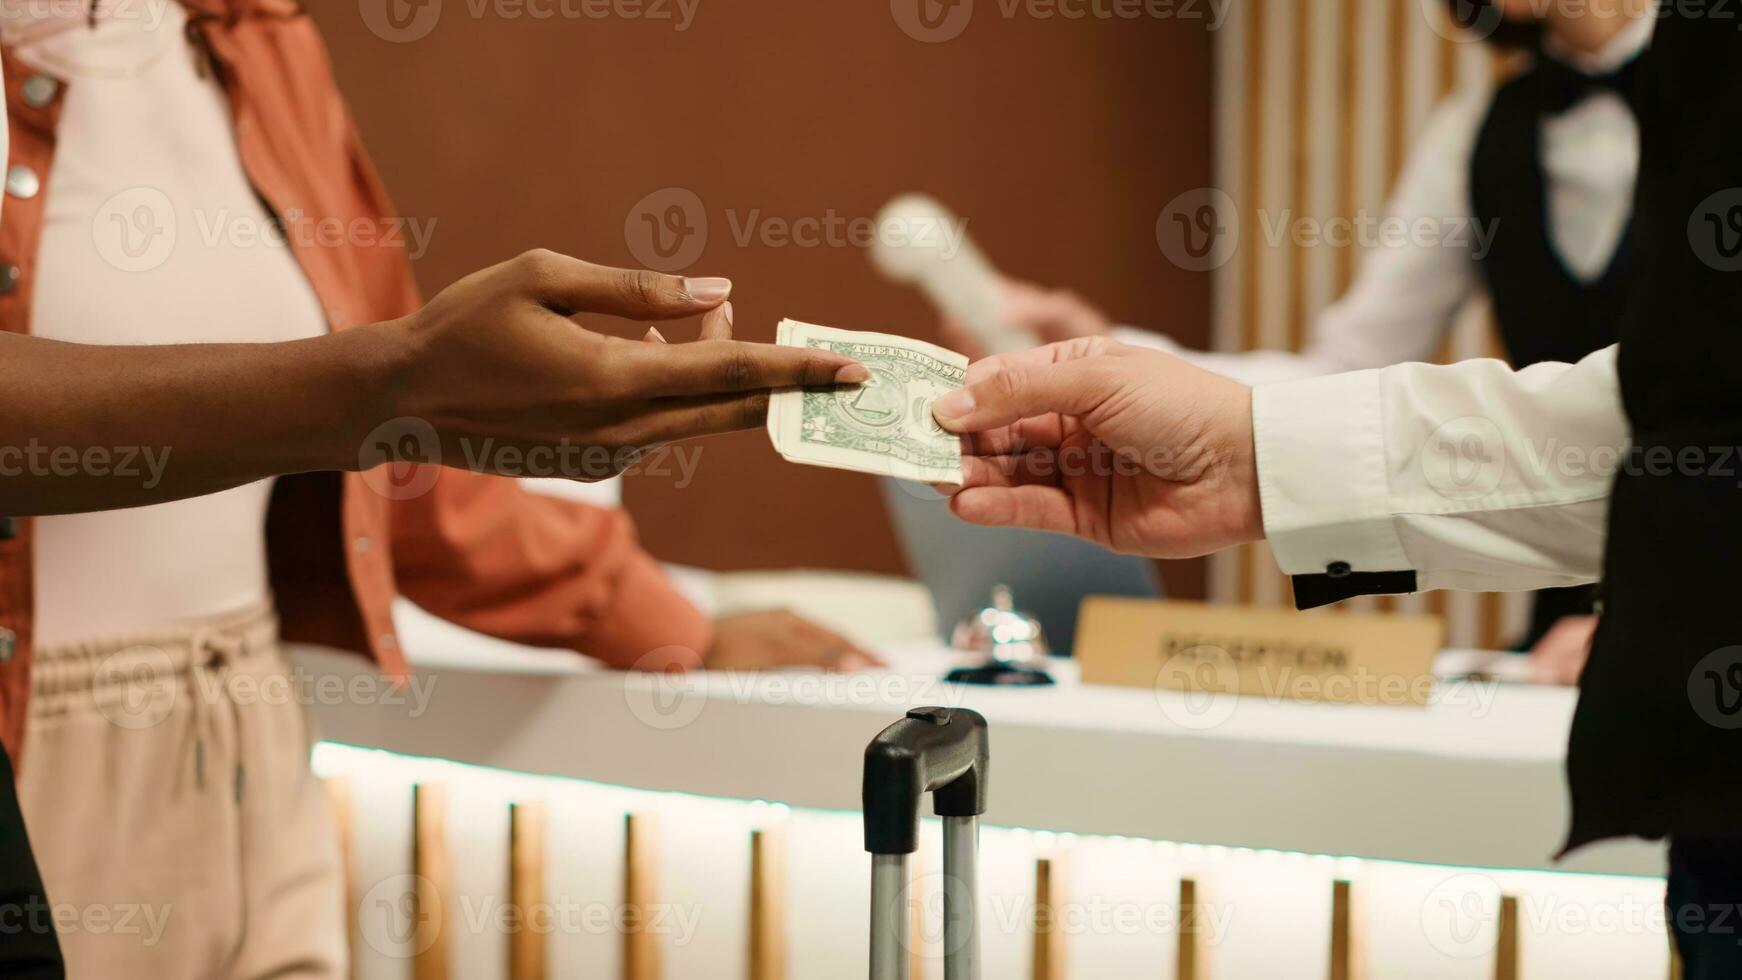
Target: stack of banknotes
883, 426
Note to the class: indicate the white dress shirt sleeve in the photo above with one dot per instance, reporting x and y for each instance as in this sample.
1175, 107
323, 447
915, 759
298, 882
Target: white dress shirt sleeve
1419, 267
1465, 476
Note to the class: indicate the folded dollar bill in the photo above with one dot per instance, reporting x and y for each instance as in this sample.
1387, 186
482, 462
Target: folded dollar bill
883, 426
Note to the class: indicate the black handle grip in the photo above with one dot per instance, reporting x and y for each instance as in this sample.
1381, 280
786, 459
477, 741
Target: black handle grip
943, 751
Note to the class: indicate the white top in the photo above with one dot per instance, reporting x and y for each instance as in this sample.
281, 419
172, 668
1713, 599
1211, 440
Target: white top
1407, 293
152, 235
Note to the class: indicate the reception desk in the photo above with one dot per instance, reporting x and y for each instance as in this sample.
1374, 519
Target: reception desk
1470, 784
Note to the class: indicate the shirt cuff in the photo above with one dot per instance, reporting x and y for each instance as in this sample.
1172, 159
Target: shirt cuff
1323, 484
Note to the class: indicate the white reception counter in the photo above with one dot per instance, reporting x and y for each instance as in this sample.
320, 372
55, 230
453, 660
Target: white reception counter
1473, 780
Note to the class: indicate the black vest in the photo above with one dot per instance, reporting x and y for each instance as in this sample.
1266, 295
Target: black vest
1657, 738
1543, 311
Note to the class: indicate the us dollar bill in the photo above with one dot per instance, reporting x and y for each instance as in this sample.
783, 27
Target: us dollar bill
883, 426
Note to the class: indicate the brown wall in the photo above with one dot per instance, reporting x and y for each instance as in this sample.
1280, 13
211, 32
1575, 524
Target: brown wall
1058, 140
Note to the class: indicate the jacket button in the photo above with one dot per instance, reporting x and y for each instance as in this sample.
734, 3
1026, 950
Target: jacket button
22, 182
39, 90
1338, 569
8, 528
8, 644
9, 276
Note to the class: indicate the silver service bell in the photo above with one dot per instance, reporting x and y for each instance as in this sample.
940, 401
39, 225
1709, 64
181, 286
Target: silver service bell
1010, 642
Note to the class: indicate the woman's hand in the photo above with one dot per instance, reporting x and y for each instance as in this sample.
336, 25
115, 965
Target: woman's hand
1133, 449
1559, 657
497, 365
777, 639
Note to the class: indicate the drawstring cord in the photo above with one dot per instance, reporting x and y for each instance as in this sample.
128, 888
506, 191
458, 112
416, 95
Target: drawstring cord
214, 653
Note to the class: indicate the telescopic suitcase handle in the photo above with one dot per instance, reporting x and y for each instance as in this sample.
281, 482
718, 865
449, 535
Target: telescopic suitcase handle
945, 752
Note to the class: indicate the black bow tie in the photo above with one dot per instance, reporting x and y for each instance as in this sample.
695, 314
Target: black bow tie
1564, 86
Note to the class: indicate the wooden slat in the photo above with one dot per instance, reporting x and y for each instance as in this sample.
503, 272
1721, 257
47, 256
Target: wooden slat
1397, 92
768, 946
1048, 921
1349, 137
433, 876
1252, 151
1301, 158
338, 793
641, 952
1506, 948
528, 944
1346, 959
1189, 962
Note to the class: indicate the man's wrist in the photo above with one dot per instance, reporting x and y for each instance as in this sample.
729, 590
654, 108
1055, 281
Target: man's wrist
375, 369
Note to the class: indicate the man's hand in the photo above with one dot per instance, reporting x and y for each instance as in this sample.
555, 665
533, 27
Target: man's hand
776, 639
1559, 657
497, 359
1053, 315
1135, 450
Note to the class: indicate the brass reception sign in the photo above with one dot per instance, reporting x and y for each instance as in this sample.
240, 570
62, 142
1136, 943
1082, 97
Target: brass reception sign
1347, 658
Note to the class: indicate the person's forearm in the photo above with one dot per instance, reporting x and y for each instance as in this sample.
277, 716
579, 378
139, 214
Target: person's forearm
100, 427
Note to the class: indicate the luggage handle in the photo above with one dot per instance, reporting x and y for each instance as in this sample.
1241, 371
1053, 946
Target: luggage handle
943, 751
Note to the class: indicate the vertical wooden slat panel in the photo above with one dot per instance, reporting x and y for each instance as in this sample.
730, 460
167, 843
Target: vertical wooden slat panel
433, 876
338, 794
1189, 960
1349, 137
1252, 151
1301, 159
1345, 933
1506, 948
528, 944
768, 904
1048, 925
1397, 93
641, 952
